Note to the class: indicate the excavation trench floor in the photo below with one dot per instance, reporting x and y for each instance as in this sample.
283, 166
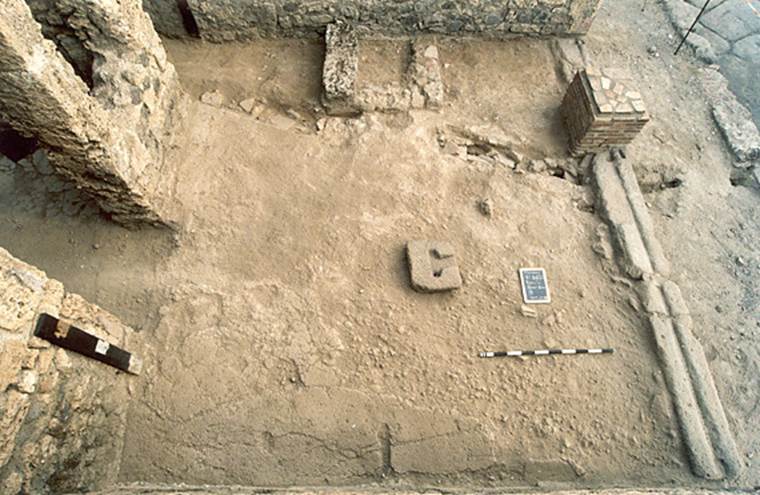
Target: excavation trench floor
282, 342
293, 349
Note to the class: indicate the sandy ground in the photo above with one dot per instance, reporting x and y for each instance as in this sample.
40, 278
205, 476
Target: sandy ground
283, 344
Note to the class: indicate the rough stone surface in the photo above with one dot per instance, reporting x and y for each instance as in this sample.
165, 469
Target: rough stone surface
56, 29
108, 140
432, 266
740, 133
62, 416
426, 74
419, 87
394, 97
166, 17
222, 20
340, 68
733, 119
6, 164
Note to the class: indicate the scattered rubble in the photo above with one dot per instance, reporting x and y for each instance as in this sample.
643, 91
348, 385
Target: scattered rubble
528, 312
214, 98
482, 140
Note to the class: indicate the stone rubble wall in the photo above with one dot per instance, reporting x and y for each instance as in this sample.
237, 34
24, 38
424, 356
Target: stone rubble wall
226, 20
422, 86
55, 28
62, 415
166, 17
108, 140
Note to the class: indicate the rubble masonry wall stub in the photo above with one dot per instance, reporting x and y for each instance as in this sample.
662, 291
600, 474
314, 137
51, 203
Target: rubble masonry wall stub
225, 20
109, 141
62, 416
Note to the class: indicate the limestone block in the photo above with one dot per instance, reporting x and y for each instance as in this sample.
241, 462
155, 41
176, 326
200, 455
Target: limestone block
225, 20
614, 205
432, 266
340, 69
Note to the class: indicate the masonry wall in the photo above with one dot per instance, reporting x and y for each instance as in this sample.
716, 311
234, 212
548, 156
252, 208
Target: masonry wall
62, 416
91, 82
221, 20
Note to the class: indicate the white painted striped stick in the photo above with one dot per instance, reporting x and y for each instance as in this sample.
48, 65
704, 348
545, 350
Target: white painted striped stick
545, 352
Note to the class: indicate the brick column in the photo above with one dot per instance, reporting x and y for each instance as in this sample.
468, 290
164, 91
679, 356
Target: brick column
109, 141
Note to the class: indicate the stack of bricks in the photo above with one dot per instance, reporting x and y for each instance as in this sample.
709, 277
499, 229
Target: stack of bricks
602, 110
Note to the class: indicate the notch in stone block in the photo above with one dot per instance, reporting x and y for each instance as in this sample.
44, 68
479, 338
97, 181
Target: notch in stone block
432, 266
602, 109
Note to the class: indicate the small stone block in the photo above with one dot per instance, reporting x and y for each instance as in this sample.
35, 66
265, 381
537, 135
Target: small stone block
432, 266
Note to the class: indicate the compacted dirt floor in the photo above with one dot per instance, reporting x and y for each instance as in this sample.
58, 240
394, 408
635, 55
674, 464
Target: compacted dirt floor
283, 344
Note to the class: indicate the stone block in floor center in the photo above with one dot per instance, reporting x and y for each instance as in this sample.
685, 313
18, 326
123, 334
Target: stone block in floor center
432, 266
